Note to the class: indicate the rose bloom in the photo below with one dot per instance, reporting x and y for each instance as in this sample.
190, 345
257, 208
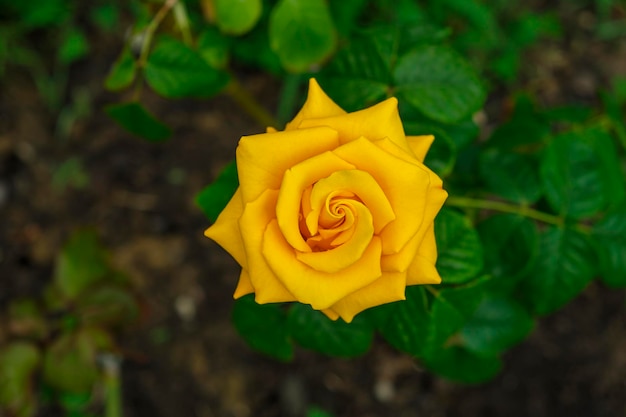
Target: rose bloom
336, 211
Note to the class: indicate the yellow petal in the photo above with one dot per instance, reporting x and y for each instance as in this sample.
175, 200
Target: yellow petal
244, 286
405, 185
254, 220
330, 314
401, 260
294, 183
388, 288
420, 145
263, 159
422, 270
376, 122
309, 286
317, 104
364, 186
341, 257
225, 230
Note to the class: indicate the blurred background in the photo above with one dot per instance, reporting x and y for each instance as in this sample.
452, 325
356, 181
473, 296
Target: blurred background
67, 168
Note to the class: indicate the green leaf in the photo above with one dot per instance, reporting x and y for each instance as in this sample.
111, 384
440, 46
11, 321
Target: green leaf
460, 254
526, 130
213, 47
565, 265
174, 70
237, 17
451, 309
81, 263
69, 363
459, 364
408, 321
313, 330
264, 327
581, 173
18, 364
357, 76
301, 33
123, 72
137, 120
510, 244
498, 324
511, 176
439, 83
74, 46
107, 306
214, 197
610, 234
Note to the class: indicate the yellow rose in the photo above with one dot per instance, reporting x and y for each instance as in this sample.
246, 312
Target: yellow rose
336, 211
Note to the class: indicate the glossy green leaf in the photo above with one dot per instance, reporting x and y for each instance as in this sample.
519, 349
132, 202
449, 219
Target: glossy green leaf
610, 234
357, 76
511, 176
213, 198
581, 174
498, 324
302, 33
123, 72
237, 17
18, 364
408, 322
460, 254
174, 70
451, 309
137, 120
461, 365
263, 327
511, 245
565, 265
81, 263
313, 330
439, 83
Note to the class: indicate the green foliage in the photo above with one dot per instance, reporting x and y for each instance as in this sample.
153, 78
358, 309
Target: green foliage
313, 330
238, 17
264, 327
56, 343
460, 254
215, 196
137, 120
175, 70
302, 33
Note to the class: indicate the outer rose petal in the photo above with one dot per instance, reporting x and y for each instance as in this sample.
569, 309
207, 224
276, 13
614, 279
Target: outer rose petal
255, 218
422, 270
263, 159
317, 104
420, 145
388, 288
244, 286
379, 121
225, 230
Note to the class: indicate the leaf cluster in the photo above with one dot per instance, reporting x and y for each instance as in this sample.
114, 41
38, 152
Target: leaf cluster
56, 343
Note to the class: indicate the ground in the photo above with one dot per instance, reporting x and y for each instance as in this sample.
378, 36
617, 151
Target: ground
185, 357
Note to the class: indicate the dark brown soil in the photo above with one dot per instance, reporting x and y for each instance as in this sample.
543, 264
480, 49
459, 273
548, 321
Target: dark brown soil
185, 358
